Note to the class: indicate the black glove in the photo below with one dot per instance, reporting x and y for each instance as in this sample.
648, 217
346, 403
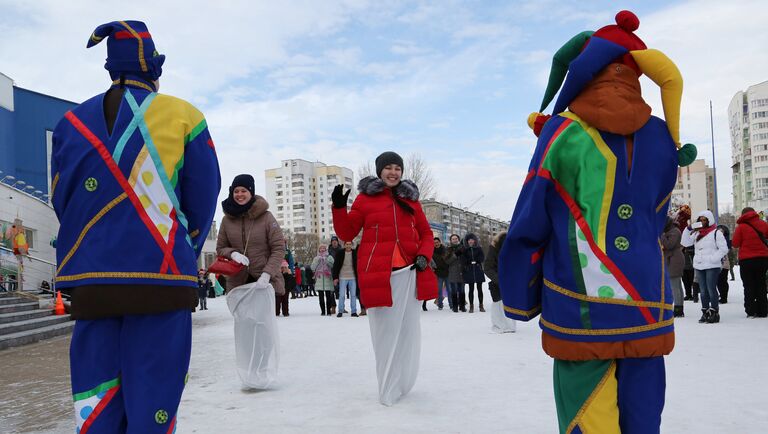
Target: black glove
420, 264
338, 196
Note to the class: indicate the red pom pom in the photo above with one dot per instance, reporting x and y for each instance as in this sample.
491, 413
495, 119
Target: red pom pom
627, 21
539, 123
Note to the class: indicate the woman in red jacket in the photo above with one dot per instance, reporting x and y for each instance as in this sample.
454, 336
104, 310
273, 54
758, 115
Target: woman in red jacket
392, 268
750, 239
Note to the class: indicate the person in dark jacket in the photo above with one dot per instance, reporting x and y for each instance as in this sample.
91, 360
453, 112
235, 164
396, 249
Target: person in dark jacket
722, 279
675, 262
334, 248
455, 281
472, 270
281, 301
750, 238
204, 285
345, 277
309, 280
441, 270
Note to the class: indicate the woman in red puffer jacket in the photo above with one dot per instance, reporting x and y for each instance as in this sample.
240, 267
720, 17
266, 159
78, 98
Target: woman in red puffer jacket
396, 232
392, 269
750, 239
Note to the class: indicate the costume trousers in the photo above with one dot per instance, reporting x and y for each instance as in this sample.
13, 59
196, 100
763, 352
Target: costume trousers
128, 372
620, 396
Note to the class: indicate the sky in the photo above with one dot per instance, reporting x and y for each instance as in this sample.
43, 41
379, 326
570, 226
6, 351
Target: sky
340, 81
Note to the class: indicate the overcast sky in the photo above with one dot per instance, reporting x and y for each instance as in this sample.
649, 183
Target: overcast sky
340, 81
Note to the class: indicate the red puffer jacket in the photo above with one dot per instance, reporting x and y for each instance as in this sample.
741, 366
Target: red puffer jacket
746, 239
384, 223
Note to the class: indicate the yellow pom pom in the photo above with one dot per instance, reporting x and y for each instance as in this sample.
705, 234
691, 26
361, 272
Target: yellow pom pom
532, 119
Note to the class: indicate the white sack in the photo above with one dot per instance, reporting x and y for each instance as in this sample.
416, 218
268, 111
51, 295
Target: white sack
257, 342
396, 336
499, 321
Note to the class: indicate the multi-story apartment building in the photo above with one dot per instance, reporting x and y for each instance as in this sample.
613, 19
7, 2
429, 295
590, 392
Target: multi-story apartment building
695, 187
748, 121
299, 194
447, 219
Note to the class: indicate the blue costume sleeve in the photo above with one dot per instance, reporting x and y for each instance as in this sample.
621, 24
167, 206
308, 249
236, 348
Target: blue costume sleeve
200, 185
520, 259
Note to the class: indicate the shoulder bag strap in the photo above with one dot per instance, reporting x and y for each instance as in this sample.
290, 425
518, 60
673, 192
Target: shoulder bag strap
759, 234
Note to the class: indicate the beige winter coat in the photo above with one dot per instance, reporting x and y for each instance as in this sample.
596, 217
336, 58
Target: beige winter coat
266, 247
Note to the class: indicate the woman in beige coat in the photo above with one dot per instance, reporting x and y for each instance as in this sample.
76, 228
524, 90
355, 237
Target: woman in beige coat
250, 235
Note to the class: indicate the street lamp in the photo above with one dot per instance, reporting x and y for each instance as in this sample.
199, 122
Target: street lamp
29, 187
10, 177
20, 182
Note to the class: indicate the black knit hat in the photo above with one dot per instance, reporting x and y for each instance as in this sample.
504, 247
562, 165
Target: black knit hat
243, 180
387, 158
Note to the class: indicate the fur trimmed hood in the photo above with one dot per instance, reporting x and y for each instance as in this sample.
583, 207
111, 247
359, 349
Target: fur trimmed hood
371, 185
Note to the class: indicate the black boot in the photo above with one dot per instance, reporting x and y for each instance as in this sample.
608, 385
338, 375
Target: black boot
714, 316
704, 316
679, 312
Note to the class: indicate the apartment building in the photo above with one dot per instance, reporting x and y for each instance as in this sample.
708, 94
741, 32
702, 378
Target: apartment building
447, 219
695, 187
748, 122
299, 194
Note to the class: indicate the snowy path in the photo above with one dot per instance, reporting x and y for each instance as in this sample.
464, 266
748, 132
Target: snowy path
471, 380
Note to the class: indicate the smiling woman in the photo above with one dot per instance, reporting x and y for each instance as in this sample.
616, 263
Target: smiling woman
393, 268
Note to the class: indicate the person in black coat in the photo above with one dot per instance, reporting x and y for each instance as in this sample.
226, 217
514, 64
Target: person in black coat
441, 270
472, 270
281, 301
354, 293
203, 286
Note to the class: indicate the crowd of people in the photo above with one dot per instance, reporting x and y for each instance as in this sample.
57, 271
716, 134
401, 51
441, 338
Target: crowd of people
700, 256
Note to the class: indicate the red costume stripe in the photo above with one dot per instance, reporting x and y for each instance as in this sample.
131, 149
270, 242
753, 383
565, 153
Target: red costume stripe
557, 132
123, 34
172, 426
210, 143
171, 242
99, 408
531, 174
107, 157
576, 212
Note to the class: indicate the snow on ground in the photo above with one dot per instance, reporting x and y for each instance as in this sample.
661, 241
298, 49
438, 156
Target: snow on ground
470, 381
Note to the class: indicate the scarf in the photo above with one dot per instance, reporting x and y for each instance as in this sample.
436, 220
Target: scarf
703, 232
322, 266
234, 209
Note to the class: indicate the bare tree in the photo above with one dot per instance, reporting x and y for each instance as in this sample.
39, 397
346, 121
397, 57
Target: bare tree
303, 245
416, 170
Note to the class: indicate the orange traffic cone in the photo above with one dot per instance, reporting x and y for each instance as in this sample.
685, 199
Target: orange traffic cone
58, 308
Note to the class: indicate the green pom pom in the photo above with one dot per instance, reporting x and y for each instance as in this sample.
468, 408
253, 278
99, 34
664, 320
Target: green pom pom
686, 155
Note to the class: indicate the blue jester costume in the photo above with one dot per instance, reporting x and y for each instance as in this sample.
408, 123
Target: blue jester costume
135, 182
583, 246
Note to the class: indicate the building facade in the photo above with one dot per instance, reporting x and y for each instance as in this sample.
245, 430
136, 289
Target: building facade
27, 120
748, 122
695, 187
447, 219
299, 195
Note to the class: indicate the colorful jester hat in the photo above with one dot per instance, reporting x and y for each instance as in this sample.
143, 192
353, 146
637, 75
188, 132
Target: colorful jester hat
588, 53
130, 50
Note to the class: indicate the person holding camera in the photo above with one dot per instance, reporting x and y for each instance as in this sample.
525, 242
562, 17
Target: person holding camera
710, 246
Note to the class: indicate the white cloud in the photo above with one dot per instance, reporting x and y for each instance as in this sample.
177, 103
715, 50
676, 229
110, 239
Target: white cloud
719, 48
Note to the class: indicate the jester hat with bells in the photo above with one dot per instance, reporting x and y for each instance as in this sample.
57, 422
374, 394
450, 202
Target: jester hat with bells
585, 55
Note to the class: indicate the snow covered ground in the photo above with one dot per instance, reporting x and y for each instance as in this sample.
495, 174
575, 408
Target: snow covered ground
471, 380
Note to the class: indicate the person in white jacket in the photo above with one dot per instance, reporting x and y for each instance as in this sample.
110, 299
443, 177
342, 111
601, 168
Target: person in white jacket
710, 248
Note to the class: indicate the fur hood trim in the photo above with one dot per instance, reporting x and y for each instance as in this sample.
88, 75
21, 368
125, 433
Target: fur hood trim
371, 185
